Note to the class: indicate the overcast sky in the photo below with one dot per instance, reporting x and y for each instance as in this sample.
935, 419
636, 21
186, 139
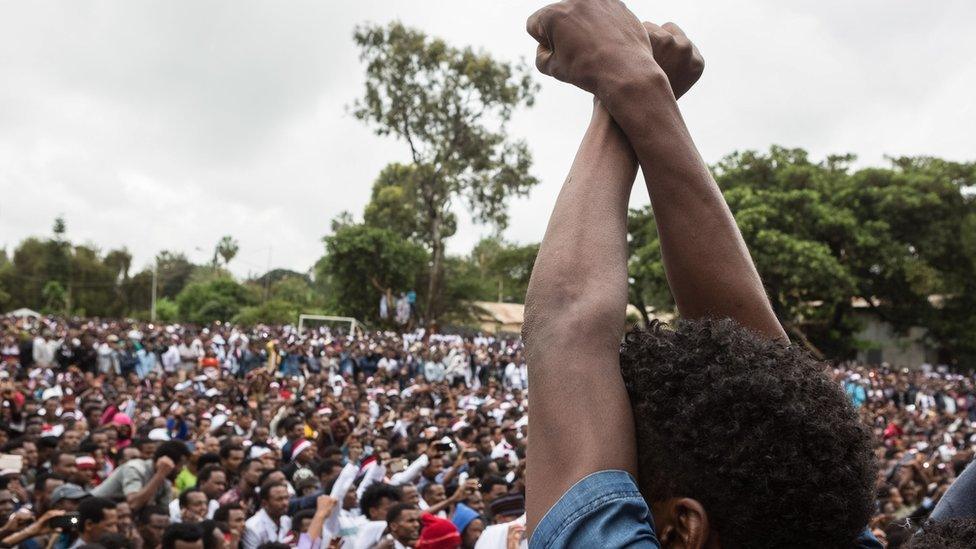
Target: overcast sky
165, 125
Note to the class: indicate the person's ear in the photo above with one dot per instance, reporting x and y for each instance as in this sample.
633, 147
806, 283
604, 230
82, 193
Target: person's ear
686, 526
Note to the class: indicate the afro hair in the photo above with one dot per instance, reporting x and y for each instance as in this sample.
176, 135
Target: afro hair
955, 533
753, 429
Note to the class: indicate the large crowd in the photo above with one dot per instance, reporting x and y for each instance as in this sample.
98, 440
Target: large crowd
125, 434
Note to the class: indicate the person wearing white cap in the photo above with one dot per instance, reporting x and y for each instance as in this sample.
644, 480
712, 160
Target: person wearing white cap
158, 434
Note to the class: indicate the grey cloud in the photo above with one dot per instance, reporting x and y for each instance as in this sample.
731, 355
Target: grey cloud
168, 124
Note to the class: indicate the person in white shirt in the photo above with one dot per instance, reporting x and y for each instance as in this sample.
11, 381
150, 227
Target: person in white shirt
388, 363
192, 506
201, 501
271, 523
404, 525
375, 502
171, 358
516, 374
190, 354
44, 349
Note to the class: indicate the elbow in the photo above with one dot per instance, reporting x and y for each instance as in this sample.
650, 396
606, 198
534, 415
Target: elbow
549, 302
569, 323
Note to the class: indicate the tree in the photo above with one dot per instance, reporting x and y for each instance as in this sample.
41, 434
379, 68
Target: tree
451, 107
899, 239
173, 272
55, 297
217, 299
120, 261
60, 228
274, 311
226, 248
294, 290
167, 310
363, 262
93, 287
396, 202
505, 267
648, 285
343, 219
6, 276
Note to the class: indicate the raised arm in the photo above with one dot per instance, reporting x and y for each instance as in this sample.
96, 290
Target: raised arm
601, 47
574, 321
709, 269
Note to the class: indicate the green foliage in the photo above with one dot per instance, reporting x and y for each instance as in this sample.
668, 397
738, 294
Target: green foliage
174, 271
504, 267
902, 239
451, 107
396, 203
362, 262
226, 248
217, 299
275, 311
59, 227
92, 285
648, 282
6, 272
167, 310
294, 290
276, 275
55, 297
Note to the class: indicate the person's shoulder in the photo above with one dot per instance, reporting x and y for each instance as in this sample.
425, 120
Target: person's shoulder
867, 541
254, 520
604, 508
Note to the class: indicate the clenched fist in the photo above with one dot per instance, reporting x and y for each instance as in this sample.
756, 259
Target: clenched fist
676, 55
592, 44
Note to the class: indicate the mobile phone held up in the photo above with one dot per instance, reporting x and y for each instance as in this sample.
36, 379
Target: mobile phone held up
67, 522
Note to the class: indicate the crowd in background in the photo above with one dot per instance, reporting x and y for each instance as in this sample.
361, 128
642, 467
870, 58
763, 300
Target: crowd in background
121, 434
923, 423
152, 436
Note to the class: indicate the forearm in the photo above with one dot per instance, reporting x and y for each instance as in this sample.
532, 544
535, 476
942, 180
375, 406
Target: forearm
138, 500
438, 507
574, 321
19, 537
318, 521
709, 269
580, 274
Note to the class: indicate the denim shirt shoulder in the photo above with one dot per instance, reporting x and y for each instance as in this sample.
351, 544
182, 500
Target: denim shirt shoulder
604, 509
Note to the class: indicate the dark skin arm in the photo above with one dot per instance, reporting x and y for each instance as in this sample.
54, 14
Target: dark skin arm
574, 321
575, 304
709, 268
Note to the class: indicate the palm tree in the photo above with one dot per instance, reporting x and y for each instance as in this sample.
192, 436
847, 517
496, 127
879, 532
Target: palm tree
226, 248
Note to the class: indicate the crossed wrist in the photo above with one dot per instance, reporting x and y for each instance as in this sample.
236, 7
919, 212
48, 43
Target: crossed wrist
641, 86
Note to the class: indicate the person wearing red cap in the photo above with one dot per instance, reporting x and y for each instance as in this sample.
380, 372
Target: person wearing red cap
302, 455
85, 471
437, 533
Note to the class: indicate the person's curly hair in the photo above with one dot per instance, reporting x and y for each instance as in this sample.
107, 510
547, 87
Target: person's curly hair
956, 533
752, 429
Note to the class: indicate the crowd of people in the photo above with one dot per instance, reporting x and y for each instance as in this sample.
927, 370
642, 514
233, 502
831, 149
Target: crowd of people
924, 425
123, 434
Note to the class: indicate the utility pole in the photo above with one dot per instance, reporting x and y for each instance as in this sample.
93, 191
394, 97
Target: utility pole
152, 309
267, 276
